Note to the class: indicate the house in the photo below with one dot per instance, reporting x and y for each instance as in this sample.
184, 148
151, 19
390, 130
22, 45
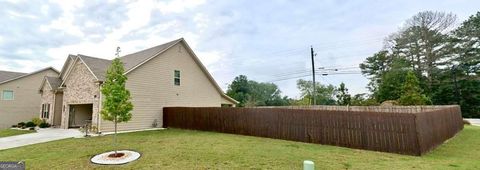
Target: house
165, 75
19, 98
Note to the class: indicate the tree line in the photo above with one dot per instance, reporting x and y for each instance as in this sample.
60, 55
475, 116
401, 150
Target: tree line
440, 62
251, 93
429, 60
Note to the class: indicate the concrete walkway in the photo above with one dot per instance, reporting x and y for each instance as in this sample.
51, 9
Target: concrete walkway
475, 122
42, 135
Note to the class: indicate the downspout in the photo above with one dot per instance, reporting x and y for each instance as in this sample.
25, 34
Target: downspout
99, 105
52, 118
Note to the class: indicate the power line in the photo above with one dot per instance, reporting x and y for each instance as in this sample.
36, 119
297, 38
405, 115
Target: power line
326, 74
290, 78
329, 44
317, 69
325, 47
310, 74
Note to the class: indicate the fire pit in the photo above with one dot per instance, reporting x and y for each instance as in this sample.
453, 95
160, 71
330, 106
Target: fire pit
110, 158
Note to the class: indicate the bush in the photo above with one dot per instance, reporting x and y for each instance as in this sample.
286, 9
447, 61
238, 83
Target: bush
32, 128
14, 126
44, 125
30, 124
37, 121
21, 125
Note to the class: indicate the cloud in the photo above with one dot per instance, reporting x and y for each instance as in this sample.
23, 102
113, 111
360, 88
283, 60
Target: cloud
261, 39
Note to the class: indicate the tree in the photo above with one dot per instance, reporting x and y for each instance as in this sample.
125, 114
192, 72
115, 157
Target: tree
446, 63
411, 92
116, 104
390, 87
362, 100
251, 93
470, 98
265, 94
343, 98
465, 70
467, 46
239, 89
324, 93
424, 42
301, 102
374, 68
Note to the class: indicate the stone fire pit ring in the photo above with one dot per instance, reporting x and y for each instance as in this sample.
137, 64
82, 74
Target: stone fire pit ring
104, 159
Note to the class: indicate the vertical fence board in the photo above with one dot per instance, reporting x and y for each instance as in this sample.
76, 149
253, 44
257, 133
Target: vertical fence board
399, 129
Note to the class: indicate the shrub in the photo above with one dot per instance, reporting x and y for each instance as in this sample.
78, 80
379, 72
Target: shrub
37, 121
44, 125
21, 125
14, 126
32, 128
30, 124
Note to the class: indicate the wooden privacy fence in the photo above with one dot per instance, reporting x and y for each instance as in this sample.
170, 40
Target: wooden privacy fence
409, 132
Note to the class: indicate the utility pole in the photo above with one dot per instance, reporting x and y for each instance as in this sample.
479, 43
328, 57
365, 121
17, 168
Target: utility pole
313, 75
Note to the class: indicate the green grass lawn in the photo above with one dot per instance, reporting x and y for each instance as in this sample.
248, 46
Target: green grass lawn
185, 149
13, 132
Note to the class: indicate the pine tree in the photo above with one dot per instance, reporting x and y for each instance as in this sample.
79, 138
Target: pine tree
116, 105
411, 92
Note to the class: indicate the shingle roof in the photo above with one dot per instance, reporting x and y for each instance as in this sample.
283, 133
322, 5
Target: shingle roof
54, 82
134, 59
99, 66
7, 75
15, 75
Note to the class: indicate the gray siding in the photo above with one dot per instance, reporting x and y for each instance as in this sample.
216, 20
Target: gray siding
26, 103
152, 88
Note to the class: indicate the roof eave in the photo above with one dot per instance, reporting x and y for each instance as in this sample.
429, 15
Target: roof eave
29, 74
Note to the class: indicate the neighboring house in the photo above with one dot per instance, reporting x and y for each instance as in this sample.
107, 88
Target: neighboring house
19, 98
166, 75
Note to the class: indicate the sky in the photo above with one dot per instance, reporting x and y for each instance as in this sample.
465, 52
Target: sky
268, 41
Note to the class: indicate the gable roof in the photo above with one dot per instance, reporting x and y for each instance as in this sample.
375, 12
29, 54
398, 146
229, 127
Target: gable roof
53, 82
98, 66
26, 75
7, 75
131, 61
67, 64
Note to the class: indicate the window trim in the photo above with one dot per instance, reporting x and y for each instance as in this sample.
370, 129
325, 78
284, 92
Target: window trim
175, 77
3, 94
45, 111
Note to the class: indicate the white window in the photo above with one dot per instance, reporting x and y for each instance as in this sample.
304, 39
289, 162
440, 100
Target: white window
45, 111
7, 95
176, 78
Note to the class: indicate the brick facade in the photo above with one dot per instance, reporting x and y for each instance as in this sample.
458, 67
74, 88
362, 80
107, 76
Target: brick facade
80, 88
47, 97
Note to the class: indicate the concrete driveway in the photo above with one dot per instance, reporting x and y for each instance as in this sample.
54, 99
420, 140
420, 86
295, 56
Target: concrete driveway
42, 135
475, 122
